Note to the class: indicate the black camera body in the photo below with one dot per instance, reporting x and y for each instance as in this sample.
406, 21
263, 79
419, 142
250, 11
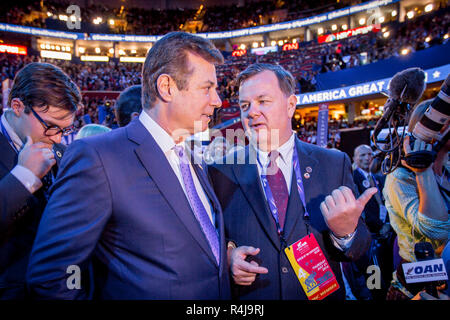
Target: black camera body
419, 159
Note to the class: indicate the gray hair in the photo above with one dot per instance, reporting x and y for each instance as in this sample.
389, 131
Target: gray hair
169, 56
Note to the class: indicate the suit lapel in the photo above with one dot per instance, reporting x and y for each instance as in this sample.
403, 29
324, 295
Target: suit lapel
9, 156
307, 165
157, 166
248, 178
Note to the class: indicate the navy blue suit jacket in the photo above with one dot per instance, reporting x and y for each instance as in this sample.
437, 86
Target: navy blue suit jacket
118, 212
20, 212
248, 220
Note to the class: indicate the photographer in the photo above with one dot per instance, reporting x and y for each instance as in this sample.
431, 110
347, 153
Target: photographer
418, 201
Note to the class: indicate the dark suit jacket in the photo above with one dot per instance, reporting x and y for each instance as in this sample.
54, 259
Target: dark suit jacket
116, 203
20, 212
372, 209
248, 220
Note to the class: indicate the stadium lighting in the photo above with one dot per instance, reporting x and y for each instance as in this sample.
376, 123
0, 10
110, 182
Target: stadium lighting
386, 34
98, 20
42, 46
320, 31
111, 50
255, 44
58, 48
362, 21
294, 40
429, 7
95, 58
52, 47
81, 50
49, 14
381, 19
132, 59
427, 39
121, 52
404, 52
133, 51
394, 13
334, 27
344, 27
47, 46
273, 43
446, 36
56, 55
280, 43
242, 46
410, 14
97, 50
262, 44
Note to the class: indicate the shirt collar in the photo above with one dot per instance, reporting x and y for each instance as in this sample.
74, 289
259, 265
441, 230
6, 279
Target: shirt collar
12, 134
285, 150
161, 136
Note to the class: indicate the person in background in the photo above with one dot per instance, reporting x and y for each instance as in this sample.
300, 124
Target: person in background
91, 129
42, 104
418, 203
128, 106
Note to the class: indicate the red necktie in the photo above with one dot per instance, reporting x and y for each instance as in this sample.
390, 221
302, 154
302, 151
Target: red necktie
278, 186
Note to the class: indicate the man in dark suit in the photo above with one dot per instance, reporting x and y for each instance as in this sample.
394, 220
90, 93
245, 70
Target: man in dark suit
377, 220
128, 105
42, 105
264, 211
129, 207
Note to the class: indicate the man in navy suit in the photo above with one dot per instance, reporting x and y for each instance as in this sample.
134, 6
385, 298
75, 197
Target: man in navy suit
129, 207
264, 212
42, 105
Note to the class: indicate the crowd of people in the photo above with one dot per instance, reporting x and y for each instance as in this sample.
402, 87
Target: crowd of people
304, 63
157, 22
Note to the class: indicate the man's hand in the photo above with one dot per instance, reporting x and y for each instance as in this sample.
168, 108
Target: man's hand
244, 273
341, 210
37, 157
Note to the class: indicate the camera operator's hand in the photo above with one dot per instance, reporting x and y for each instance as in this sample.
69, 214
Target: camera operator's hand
419, 145
37, 157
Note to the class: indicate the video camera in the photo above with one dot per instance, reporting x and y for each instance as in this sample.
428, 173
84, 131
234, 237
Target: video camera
405, 89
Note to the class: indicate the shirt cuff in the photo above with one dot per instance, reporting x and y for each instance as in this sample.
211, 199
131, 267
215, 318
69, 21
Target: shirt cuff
27, 178
342, 244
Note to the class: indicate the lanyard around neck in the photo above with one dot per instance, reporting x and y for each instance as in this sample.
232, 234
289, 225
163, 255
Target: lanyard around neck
300, 189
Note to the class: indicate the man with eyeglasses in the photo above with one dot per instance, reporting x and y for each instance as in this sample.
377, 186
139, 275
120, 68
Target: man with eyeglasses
42, 105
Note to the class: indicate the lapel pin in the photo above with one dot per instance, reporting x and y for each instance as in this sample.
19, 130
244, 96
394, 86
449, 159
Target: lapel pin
366, 183
308, 169
306, 175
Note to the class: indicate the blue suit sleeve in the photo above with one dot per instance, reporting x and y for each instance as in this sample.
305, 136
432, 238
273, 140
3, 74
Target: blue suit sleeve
78, 210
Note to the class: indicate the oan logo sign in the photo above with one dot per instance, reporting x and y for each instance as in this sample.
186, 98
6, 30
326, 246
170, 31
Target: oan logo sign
424, 271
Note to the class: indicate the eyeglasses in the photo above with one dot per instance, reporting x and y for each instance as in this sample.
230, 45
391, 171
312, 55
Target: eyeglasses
52, 130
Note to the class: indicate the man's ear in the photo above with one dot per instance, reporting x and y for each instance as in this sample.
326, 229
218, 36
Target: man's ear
292, 105
164, 85
17, 106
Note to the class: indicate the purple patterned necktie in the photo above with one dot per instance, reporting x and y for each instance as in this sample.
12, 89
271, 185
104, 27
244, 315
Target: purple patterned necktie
196, 204
278, 186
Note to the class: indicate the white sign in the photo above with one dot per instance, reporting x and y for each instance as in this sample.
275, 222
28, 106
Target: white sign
424, 271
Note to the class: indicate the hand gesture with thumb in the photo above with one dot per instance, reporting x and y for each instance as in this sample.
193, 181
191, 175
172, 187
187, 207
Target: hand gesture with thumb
341, 210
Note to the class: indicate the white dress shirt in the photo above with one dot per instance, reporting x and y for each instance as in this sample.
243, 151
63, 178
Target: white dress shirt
284, 162
31, 182
167, 144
